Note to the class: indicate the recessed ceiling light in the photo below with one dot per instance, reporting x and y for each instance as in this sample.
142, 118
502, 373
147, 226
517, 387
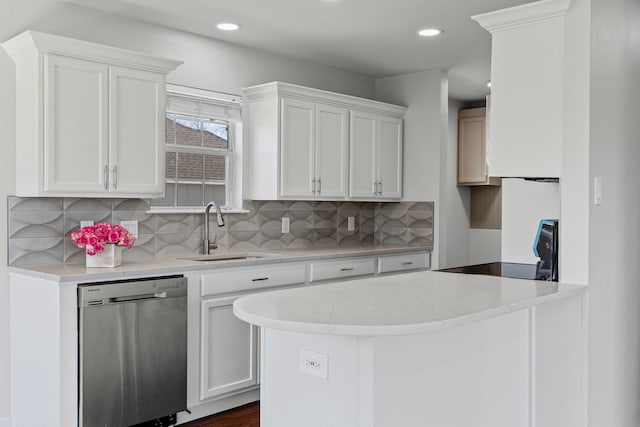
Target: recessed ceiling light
489, 84
430, 32
228, 26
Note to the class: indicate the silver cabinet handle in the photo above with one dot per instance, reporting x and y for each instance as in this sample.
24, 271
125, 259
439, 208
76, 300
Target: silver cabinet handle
105, 172
380, 188
313, 186
407, 263
259, 279
115, 176
347, 269
319, 186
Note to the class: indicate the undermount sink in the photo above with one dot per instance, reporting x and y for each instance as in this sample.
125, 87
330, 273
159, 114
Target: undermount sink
231, 257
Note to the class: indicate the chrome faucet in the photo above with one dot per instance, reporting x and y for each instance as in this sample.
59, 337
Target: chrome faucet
206, 245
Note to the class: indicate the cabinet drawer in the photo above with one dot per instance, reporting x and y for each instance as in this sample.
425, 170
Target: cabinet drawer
249, 279
414, 261
343, 268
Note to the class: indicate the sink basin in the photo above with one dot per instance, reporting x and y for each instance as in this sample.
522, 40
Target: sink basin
231, 256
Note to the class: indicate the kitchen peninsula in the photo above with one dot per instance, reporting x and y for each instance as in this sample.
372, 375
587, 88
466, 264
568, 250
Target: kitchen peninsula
424, 348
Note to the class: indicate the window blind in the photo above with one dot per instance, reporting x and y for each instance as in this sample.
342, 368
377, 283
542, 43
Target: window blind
205, 104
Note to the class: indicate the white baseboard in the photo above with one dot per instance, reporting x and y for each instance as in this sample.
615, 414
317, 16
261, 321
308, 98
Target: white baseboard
5, 422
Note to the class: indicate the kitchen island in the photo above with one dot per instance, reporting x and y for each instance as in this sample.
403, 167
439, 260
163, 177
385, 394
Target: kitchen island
426, 348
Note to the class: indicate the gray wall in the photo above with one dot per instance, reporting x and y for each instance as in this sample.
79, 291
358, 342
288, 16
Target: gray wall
456, 202
614, 227
425, 143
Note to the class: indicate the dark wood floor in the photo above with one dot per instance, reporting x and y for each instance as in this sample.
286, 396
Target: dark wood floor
243, 416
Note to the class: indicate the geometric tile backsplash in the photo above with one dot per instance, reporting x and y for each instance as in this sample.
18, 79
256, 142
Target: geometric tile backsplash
40, 228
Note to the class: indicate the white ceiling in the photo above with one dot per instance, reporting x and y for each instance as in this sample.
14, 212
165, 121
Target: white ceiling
373, 37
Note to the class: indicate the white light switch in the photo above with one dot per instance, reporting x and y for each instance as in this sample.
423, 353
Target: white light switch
351, 223
285, 224
314, 363
597, 191
86, 223
131, 226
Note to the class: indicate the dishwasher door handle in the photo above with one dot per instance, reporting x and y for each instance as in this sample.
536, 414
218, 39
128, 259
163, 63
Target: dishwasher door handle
139, 297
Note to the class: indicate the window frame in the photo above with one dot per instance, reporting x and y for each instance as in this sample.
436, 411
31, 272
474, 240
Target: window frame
226, 107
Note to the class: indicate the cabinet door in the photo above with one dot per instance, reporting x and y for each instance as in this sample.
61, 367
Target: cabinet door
136, 131
76, 132
472, 165
362, 160
331, 151
297, 148
389, 152
228, 357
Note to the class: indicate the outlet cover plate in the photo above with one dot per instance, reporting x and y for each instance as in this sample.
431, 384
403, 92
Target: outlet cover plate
131, 226
314, 363
285, 224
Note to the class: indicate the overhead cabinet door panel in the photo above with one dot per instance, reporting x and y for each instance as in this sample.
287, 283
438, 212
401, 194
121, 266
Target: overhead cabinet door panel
297, 128
471, 150
75, 138
136, 131
390, 177
362, 159
331, 151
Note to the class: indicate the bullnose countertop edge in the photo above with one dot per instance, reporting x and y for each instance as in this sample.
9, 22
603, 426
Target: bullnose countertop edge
532, 292
179, 264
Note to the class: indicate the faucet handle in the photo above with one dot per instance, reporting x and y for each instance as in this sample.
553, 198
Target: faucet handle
219, 218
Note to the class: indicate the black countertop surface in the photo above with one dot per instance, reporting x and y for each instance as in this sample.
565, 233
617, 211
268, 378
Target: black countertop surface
503, 269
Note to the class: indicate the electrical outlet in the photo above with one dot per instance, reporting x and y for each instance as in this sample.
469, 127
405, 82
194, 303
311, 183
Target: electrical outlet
351, 223
131, 226
314, 364
86, 223
285, 224
597, 191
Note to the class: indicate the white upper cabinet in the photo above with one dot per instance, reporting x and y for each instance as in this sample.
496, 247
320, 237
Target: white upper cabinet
314, 150
332, 145
298, 143
136, 131
73, 133
527, 63
362, 164
375, 170
90, 118
298, 148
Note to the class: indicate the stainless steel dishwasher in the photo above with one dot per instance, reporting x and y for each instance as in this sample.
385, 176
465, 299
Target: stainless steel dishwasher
133, 351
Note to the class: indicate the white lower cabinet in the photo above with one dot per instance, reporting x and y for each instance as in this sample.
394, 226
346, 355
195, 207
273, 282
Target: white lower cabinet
229, 356
335, 270
228, 347
224, 351
404, 262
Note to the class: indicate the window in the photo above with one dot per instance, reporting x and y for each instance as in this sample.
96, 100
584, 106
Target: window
201, 161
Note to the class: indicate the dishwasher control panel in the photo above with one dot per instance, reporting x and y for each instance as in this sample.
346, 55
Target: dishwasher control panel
118, 291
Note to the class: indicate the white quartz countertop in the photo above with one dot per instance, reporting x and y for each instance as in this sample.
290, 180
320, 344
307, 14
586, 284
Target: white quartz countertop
180, 264
401, 304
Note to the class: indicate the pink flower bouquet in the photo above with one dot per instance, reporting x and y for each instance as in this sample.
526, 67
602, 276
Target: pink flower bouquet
93, 238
